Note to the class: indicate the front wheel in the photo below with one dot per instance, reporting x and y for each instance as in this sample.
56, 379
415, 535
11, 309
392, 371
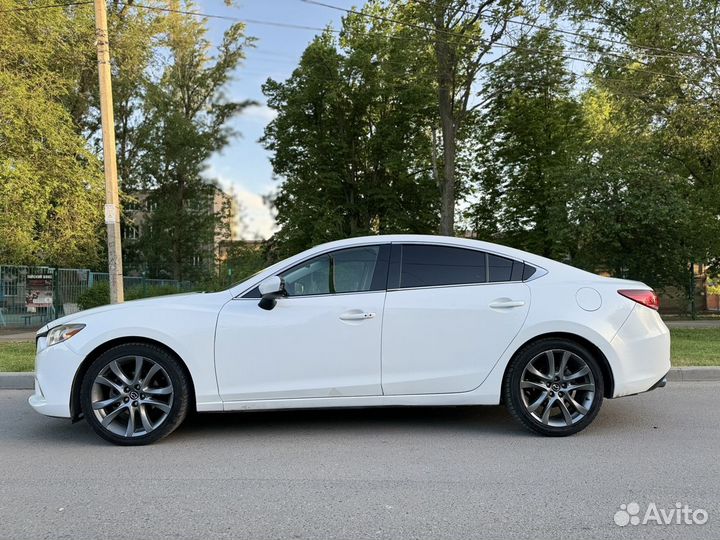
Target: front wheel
554, 387
134, 394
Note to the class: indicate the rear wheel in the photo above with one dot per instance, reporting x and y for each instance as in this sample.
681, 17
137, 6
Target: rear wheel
554, 387
134, 394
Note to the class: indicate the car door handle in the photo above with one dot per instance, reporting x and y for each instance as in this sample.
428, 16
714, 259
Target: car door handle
504, 304
356, 316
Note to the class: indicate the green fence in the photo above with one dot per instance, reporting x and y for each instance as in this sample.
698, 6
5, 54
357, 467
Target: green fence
33, 295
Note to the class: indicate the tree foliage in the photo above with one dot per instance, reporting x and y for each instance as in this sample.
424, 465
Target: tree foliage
351, 140
50, 183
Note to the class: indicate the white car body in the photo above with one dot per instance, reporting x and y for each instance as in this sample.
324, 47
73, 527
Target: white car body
443, 345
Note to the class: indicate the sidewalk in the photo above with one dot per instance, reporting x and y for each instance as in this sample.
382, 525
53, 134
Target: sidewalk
17, 334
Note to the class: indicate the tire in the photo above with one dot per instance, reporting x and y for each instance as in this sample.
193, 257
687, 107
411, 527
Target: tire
547, 401
135, 394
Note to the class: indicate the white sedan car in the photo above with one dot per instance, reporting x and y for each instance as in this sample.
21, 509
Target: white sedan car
375, 321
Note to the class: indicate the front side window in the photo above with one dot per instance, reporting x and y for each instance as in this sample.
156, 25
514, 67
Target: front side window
344, 271
427, 266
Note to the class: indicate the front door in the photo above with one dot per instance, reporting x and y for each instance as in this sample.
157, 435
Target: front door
322, 340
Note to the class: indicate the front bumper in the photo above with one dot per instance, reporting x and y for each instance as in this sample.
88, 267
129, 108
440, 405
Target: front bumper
55, 369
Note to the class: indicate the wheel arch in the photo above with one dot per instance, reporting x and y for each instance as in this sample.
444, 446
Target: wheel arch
75, 412
608, 380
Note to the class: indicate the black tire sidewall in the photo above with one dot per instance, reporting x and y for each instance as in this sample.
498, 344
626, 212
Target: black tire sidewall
512, 390
179, 407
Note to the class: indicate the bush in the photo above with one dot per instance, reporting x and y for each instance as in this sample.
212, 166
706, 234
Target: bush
99, 294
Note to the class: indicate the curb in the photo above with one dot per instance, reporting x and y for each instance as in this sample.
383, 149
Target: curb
17, 381
694, 374
26, 380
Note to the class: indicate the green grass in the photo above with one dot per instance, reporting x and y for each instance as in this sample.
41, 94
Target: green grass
695, 346
17, 356
690, 347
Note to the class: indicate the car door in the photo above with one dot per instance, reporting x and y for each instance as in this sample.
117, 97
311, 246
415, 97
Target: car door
450, 313
322, 340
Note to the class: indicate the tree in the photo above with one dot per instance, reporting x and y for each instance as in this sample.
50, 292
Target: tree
50, 183
532, 140
351, 140
464, 33
184, 121
658, 73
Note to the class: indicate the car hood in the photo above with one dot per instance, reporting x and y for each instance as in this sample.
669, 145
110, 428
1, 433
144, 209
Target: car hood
184, 298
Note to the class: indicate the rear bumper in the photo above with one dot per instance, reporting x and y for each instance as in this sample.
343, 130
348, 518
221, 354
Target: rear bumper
642, 347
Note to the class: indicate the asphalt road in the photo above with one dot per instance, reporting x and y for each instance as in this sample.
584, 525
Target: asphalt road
384, 473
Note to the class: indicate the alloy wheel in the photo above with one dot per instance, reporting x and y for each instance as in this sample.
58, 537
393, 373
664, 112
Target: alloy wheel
132, 396
557, 388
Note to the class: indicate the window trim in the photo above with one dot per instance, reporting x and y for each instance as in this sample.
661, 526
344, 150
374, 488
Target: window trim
381, 265
539, 272
397, 256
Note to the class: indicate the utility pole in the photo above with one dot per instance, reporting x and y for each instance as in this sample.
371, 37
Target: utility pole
112, 200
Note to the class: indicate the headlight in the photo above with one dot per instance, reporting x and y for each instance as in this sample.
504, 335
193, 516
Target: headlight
62, 333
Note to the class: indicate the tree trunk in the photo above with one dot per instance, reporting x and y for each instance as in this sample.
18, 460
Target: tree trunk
447, 125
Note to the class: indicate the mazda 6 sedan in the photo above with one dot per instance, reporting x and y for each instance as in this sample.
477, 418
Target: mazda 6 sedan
376, 321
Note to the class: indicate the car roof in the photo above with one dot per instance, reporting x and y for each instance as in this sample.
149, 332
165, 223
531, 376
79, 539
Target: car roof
468, 243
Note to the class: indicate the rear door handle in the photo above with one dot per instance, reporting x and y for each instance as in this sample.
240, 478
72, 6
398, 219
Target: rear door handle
356, 316
507, 304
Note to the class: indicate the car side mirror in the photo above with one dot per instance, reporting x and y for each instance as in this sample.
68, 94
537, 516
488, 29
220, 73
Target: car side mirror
271, 289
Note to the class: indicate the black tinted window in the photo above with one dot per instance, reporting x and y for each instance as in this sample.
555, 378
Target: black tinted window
502, 269
426, 266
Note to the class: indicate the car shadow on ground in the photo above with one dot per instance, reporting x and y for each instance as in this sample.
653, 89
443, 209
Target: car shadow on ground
469, 421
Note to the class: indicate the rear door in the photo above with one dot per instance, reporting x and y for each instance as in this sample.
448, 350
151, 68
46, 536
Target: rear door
450, 313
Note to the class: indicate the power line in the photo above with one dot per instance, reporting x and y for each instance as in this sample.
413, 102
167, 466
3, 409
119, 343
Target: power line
489, 43
46, 6
591, 37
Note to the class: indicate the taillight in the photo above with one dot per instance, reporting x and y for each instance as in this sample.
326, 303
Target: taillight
646, 298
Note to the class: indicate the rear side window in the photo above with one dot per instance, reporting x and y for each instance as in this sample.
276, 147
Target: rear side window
427, 266
502, 269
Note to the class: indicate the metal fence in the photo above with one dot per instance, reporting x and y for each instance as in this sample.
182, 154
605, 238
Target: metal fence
33, 295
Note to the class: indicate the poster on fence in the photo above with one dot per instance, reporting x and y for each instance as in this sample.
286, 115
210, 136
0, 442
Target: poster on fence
38, 292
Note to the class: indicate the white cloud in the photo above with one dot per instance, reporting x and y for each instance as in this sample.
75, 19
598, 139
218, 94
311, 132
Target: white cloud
259, 113
256, 216
256, 219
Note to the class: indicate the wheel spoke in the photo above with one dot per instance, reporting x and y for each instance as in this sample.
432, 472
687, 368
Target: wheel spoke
138, 369
590, 387
533, 385
107, 382
147, 425
580, 373
150, 374
539, 401
565, 412
131, 422
157, 404
98, 405
110, 417
115, 368
546, 413
532, 369
580, 408
563, 363
164, 391
551, 364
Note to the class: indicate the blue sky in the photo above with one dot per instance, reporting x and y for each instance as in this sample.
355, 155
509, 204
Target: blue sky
244, 164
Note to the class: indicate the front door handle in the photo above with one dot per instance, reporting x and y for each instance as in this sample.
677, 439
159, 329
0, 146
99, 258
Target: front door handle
356, 315
504, 304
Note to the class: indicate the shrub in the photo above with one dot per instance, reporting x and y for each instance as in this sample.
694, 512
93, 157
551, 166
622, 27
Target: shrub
99, 294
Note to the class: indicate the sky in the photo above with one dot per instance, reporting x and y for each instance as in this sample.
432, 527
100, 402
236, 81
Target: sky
244, 165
